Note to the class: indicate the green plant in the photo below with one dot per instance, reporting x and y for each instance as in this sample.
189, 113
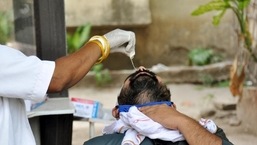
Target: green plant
202, 56
102, 76
78, 38
239, 8
5, 27
222, 84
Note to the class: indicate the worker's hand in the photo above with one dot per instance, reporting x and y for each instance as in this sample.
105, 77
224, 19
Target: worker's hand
122, 41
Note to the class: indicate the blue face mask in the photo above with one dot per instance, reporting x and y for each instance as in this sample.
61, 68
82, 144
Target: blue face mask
125, 108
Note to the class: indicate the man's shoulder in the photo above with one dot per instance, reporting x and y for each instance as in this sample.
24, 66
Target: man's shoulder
112, 139
161, 142
116, 139
220, 133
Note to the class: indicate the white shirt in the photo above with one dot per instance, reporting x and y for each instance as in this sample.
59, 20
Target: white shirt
137, 125
21, 77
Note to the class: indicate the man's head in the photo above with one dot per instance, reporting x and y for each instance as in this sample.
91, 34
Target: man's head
141, 87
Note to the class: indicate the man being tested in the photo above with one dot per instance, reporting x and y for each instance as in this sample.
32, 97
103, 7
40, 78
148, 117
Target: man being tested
144, 87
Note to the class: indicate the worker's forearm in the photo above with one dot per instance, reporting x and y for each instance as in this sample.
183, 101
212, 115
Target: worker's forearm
72, 68
195, 134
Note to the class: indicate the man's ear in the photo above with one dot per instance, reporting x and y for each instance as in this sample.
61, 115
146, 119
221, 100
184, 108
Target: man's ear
115, 112
174, 106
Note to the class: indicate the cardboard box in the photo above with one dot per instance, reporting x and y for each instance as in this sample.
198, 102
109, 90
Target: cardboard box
87, 108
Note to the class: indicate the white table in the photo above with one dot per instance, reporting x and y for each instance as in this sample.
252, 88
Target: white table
53, 106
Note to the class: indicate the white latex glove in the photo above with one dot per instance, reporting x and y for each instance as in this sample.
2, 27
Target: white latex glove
122, 41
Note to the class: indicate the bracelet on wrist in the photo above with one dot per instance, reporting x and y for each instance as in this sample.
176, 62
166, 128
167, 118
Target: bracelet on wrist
104, 46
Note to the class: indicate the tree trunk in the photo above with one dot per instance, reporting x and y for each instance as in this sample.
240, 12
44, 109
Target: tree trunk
246, 109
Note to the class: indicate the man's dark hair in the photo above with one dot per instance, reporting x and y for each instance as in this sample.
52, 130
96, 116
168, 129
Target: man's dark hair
144, 87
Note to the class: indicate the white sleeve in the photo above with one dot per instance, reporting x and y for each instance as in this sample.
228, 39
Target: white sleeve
22, 76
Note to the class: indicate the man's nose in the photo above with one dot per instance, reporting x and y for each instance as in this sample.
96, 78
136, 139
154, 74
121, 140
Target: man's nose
141, 68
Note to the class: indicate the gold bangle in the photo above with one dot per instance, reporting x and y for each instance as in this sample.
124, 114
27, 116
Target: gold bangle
102, 42
101, 48
108, 46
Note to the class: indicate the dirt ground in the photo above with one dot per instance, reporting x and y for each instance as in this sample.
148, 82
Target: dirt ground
190, 99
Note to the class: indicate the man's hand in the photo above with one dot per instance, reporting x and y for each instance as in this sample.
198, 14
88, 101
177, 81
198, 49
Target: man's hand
122, 41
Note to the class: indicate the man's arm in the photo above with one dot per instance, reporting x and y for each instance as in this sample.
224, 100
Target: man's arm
72, 68
170, 118
195, 134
